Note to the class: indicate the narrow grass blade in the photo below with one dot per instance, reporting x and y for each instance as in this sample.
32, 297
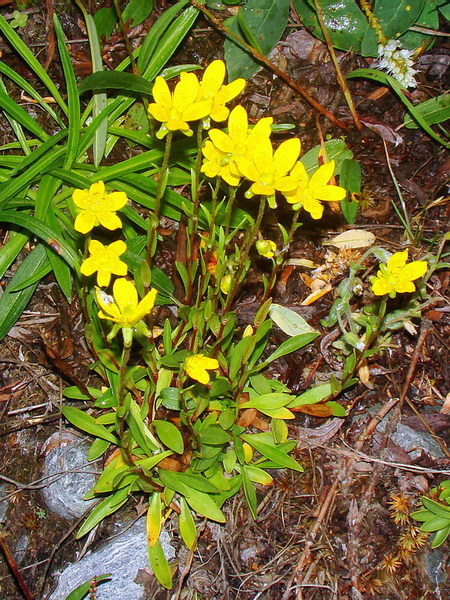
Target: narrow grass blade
44, 232
25, 53
11, 249
21, 116
12, 304
23, 84
73, 99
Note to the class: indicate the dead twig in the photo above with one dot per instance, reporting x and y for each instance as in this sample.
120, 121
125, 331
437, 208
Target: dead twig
14, 568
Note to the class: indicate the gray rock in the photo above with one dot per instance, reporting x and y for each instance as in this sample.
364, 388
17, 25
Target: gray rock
414, 441
122, 556
67, 453
3, 503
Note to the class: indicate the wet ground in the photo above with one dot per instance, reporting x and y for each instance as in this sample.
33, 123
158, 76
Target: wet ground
332, 532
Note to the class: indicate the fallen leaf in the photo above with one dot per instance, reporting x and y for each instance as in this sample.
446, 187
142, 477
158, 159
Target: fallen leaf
353, 238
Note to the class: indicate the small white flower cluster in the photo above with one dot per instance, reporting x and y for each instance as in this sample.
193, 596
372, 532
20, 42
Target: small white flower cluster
397, 62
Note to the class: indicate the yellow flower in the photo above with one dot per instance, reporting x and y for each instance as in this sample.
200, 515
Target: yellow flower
266, 248
222, 150
213, 90
198, 365
98, 208
396, 276
268, 169
125, 309
176, 109
105, 260
310, 192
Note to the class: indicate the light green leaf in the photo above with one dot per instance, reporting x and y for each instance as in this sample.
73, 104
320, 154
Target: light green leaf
169, 435
102, 510
289, 321
186, 525
160, 565
273, 453
80, 592
204, 505
87, 423
435, 110
291, 345
154, 519
312, 396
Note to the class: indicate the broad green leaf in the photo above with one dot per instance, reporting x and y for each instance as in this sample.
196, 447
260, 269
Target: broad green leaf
344, 20
440, 537
395, 18
169, 435
186, 525
435, 110
204, 505
273, 453
271, 400
257, 475
289, 321
435, 523
291, 345
197, 482
278, 413
139, 430
12, 304
336, 150
260, 21
312, 396
160, 565
87, 423
154, 519
80, 592
436, 508
137, 11
105, 482
105, 20
97, 449
214, 435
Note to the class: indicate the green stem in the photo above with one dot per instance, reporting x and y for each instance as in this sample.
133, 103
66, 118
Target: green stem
160, 189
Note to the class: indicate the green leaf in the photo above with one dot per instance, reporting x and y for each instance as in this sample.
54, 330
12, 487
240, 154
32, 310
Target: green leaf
290, 322
204, 505
436, 508
291, 345
435, 110
136, 11
85, 422
160, 565
214, 435
82, 590
395, 18
336, 150
115, 80
12, 304
139, 430
260, 21
154, 519
105, 20
43, 231
186, 525
250, 493
169, 435
344, 20
21, 116
435, 523
21, 49
350, 180
102, 510
11, 249
389, 81
273, 453
440, 537
312, 396
73, 100
271, 400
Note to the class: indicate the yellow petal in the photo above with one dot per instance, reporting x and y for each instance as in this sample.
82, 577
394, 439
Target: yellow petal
125, 295
161, 92
145, 305
213, 78
221, 140
381, 286
414, 270
85, 221
322, 176
238, 124
186, 91
285, 156
397, 261
109, 220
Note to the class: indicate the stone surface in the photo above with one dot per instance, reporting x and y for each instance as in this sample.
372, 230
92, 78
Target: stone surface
122, 556
67, 453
